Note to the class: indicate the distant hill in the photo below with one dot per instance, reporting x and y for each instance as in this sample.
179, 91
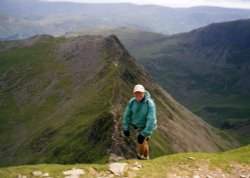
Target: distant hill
62, 102
31, 18
207, 70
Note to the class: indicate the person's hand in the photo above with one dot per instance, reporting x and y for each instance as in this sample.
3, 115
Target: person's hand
126, 133
140, 139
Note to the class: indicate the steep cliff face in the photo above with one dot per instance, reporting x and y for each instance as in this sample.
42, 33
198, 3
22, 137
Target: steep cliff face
228, 42
62, 102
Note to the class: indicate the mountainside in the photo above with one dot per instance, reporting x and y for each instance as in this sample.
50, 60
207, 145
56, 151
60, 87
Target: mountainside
28, 18
62, 102
207, 70
230, 164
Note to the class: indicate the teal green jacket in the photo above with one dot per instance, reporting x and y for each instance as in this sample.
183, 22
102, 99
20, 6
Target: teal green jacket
141, 114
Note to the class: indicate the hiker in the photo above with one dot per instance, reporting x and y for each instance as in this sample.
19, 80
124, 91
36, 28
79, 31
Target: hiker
141, 114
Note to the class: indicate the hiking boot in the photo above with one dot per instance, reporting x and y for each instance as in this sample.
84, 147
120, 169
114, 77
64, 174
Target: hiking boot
141, 157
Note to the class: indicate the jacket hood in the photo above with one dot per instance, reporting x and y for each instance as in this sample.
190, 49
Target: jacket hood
147, 96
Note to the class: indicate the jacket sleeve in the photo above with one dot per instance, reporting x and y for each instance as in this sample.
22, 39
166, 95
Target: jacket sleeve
150, 120
127, 116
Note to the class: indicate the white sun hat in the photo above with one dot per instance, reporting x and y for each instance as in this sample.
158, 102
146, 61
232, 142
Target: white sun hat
139, 88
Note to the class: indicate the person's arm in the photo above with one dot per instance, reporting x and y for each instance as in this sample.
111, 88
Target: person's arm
150, 120
127, 117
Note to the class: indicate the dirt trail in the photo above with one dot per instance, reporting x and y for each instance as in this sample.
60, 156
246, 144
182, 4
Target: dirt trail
118, 141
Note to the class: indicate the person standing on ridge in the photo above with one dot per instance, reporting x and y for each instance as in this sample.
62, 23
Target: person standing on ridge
141, 114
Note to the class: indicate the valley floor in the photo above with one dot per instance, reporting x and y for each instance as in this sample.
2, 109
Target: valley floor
230, 164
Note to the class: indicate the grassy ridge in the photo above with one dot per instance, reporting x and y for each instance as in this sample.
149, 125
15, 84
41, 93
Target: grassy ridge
178, 164
42, 112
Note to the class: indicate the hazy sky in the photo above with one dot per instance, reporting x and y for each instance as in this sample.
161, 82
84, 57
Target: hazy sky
177, 3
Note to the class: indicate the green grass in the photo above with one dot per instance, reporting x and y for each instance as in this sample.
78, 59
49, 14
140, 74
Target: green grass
159, 167
54, 170
73, 126
217, 112
158, 146
51, 119
25, 55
